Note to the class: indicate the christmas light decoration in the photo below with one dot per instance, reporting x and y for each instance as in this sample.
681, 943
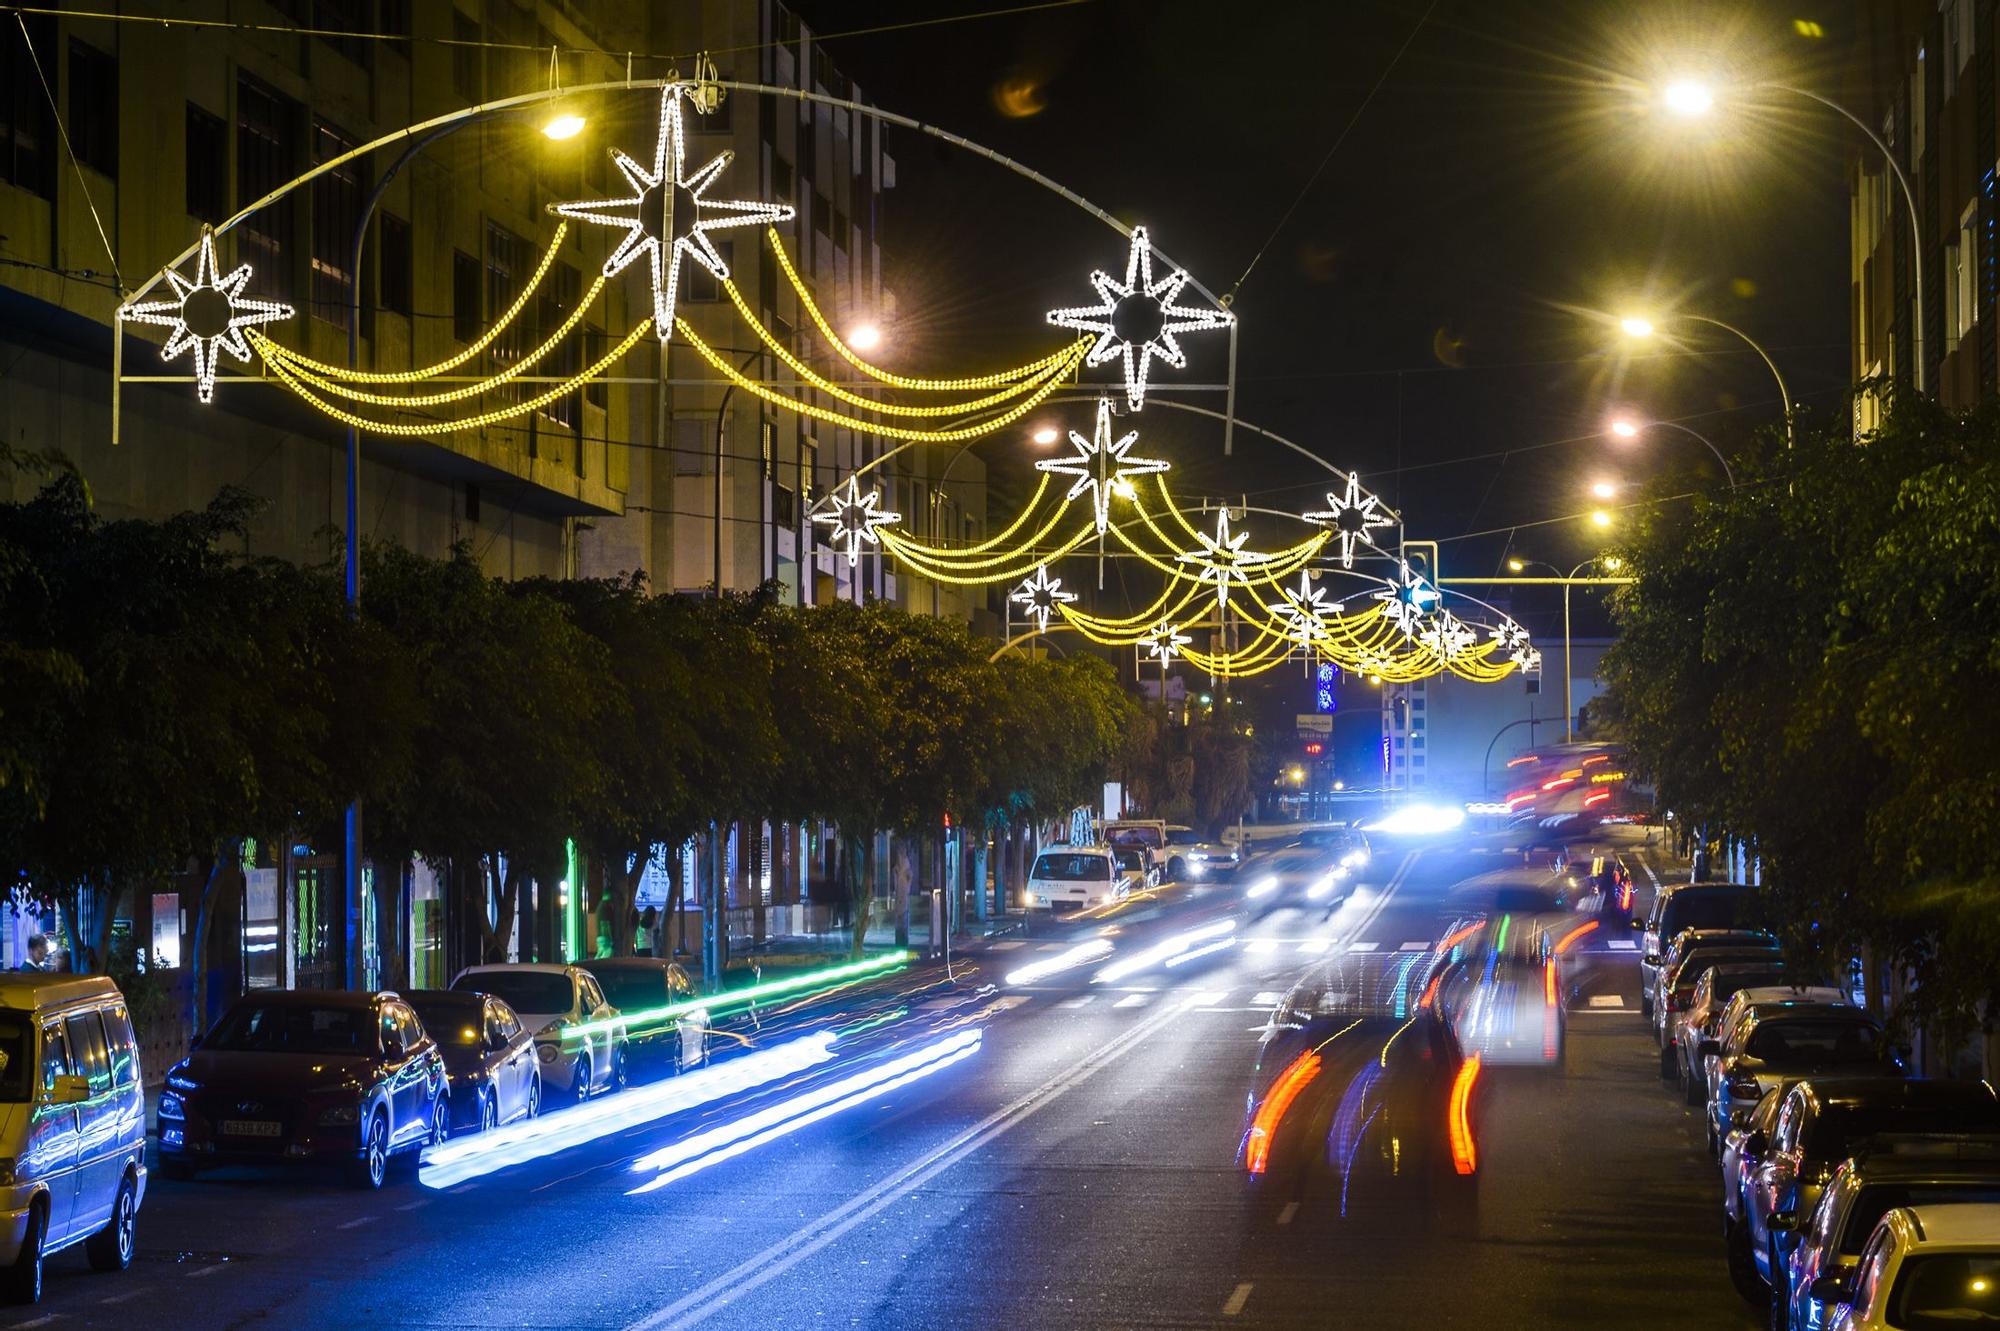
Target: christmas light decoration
1307, 610
1447, 635
1511, 641
1351, 516
1222, 557
1102, 465
669, 214
1041, 595
208, 315
854, 518
1407, 600
1138, 319
1165, 641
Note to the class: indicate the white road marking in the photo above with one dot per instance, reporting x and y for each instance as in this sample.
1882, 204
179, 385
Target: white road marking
1134, 1000
120, 1298
412, 1206
1007, 946
1237, 1299
1082, 1000
1607, 1001
1052, 947
1285, 1216
1259, 946
1312, 947
774, 1261
1415, 945
1265, 997
355, 1223
43, 1320
1621, 945
1360, 947
206, 1271
1007, 1003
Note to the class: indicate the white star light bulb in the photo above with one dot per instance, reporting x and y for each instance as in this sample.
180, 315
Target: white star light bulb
207, 314
1513, 643
1447, 635
1351, 516
854, 518
669, 214
1041, 596
1223, 559
1101, 465
1138, 319
1306, 610
1163, 642
1407, 600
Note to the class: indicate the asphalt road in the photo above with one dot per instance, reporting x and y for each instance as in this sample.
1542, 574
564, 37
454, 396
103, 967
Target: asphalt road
1077, 1166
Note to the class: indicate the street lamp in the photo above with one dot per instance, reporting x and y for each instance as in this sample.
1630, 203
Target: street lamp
1603, 489
1639, 329
1626, 428
1610, 562
1600, 519
1047, 435
564, 125
1689, 99
866, 337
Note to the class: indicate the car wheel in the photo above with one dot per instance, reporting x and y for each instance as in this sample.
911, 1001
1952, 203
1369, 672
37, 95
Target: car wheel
440, 1121
1692, 1091
1742, 1266
619, 1078
489, 1112
1645, 1007
110, 1248
23, 1279
373, 1166
579, 1086
1176, 869
535, 1097
1667, 1061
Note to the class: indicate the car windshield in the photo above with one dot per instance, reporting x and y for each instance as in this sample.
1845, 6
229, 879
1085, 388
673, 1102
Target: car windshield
1073, 868
294, 1028
16, 1046
632, 990
1701, 961
1183, 836
1699, 910
1142, 837
451, 1023
1132, 859
1877, 1201
525, 991
1948, 1290
1813, 1040
1844, 1129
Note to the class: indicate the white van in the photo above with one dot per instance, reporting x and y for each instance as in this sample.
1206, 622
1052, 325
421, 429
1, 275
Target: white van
72, 1126
1143, 834
1073, 877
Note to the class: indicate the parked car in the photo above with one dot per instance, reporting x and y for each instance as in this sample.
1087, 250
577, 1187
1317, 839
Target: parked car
1742, 1150
1135, 872
489, 1057
1860, 1193
1924, 1268
306, 1075
1147, 835
1678, 980
1677, 907
1761, 945
1703, 1017
1190, 855
1822, 1123
662, 1042
579, 1046
1784, 1039
76, 1147
1072, 878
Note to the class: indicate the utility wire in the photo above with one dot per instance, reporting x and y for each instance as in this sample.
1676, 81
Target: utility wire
75, 165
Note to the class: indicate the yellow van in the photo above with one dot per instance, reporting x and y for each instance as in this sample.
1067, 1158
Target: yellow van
72, 1126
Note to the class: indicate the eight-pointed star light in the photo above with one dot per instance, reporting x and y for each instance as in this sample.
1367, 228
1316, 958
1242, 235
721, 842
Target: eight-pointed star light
1138, 319
207, 314
854, 517
1101, 465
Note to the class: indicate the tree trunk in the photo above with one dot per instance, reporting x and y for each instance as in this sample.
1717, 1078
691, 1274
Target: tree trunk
227, 862
858, 865
498, 891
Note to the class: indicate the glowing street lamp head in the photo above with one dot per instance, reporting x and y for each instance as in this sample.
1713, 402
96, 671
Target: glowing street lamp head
1515, 565
1048, 434
865, 337
1688, 98
563, 125
1599, 518
1624, 429
1613, 563
1636, 327
1603, 489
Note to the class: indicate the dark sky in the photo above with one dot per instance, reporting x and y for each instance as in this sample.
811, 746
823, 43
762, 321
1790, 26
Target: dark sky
1435, 311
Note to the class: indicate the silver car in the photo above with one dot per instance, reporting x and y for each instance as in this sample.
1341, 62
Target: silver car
1737, 1072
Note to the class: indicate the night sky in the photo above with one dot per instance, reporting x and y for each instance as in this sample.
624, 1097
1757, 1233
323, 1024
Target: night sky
1436, 312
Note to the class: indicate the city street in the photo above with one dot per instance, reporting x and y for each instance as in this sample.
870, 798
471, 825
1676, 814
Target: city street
1079, 1170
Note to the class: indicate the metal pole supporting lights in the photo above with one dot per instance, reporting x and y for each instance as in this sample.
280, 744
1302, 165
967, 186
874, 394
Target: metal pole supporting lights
1612, 563
1626, 428
1641, 328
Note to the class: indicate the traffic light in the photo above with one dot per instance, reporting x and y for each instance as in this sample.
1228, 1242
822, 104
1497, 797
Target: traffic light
1314, 748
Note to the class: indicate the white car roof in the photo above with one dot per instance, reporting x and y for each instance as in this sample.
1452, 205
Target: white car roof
1785, 993
1974, 1225
1061, 849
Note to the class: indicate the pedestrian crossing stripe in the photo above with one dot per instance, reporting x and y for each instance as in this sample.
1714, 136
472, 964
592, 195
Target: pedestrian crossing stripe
1265, 997
1360, 947
1260, 945
1622, 945
1007, 946
1606, 1000
1081, 1000
1314, 946
1133, 1000
1052, 947
1415, 945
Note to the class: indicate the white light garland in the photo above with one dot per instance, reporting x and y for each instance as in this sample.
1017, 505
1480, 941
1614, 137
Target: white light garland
1040, 595
1447, 635
1407, 600
1223, 559
854, 517
1514, 644
668, 215
1306, 610
1351, 516
1138, 318
1102, 465
1164, 641
207, 314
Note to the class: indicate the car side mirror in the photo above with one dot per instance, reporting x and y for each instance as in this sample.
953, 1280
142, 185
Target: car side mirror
1784, 1222
1831, 1290
69, 1090
1652, 958
1756, 1142
1709, 1049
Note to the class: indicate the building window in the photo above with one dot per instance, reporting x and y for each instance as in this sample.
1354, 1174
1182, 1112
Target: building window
336, 20
267, 153
784, 507
394, 19
595, 391
558, 295
336, 211
464, 296
1919, 111
396, 273
702, 286
471, 502
507, 265
1954, 276
1964, 258
207, 165
465, 76
27, 129
93, 107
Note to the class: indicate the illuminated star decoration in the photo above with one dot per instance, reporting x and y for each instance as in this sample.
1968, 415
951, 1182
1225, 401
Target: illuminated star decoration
1101, 465
1407, 600
207, 314
1513, 643
1306, 609
854, 517
1040, 596
1138, 318
669, 214
1447, 635
1327, 673
1351, 516
1164, 642
1223, 559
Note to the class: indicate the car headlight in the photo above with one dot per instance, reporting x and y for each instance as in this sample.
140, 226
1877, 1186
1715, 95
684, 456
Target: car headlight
340, 1116
170, 1108
545, 1052
180, 1081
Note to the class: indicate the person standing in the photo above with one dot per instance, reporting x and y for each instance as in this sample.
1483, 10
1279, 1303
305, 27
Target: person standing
38, 954
644, 934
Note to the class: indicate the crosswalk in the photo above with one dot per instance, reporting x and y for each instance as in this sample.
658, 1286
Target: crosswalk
1303, 947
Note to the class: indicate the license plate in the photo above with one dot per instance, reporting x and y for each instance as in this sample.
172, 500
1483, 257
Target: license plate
245, 1127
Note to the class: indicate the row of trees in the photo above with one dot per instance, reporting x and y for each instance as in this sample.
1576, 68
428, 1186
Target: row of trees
162, 698
1809, 663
